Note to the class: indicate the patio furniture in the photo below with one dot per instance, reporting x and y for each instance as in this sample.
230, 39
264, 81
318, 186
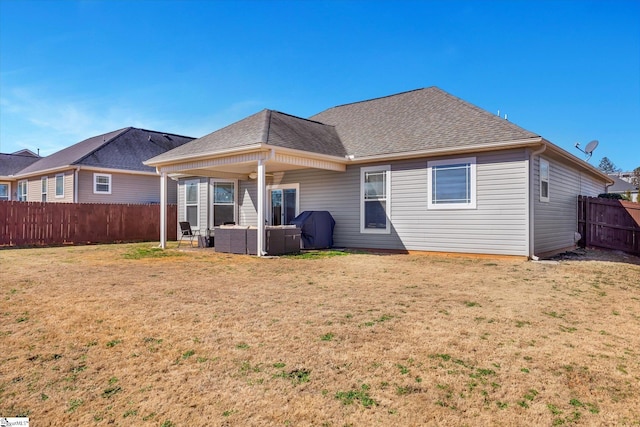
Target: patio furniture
237, 239
187, 232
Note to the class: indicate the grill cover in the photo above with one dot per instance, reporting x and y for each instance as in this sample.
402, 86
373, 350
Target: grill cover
317, 229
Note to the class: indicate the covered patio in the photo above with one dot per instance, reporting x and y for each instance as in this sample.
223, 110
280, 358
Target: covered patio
265, 144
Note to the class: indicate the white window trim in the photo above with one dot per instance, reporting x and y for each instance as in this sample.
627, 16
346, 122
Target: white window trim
387, 170
44, 187
197, 204
23, 196
212, 183
60, 196
95, 183
452, 206
548, 180
295, 186
8, 184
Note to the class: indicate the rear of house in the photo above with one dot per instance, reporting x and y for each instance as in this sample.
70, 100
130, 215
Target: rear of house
421, 170
498, 224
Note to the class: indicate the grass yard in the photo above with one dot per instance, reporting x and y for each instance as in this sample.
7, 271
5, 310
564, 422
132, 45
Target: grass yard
130, 335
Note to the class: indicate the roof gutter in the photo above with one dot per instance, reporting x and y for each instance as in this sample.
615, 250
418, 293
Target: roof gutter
76, 184
519, 143
201, 156
78, 167
43, 172
246, 149
306, 154
575, 160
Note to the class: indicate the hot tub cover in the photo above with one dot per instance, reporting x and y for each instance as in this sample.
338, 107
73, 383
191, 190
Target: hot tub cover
317, 229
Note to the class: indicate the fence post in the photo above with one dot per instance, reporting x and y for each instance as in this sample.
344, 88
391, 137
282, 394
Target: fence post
587, 223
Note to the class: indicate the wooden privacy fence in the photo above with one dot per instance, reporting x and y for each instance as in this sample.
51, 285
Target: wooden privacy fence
612, 224
42, 224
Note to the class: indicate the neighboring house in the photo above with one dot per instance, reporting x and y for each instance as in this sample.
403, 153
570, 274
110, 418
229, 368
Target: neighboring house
103, 169
623, 187
419, 170
11, 164
626, 176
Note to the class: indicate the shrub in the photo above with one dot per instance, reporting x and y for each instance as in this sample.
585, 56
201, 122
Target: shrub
612, 196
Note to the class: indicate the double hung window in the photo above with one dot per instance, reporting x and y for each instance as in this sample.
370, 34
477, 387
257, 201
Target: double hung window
44, 183
544, 180
224, 202
22, 191
60, 185
375, 199
191, 202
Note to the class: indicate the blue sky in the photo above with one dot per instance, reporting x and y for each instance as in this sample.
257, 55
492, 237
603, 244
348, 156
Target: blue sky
69, 70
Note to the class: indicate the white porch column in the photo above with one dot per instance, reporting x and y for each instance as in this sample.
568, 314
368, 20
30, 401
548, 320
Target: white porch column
261, 206
163, 210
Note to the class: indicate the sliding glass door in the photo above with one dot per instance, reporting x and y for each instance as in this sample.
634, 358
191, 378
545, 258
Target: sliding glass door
283, 204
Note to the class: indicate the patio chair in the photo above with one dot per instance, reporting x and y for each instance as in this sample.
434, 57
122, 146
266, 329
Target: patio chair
186, 231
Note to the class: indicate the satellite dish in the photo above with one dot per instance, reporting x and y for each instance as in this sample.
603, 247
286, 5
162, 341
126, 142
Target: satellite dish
591, 146
588, 150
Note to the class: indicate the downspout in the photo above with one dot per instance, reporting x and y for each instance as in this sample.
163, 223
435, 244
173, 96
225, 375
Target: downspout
76, 174
532, 256
606, 187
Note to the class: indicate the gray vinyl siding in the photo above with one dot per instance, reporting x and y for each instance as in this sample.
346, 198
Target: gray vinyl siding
497, 226
247, 203
125, 188
203, 200
556, 221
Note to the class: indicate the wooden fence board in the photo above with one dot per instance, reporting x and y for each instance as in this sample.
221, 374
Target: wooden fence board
612, 224
43, 224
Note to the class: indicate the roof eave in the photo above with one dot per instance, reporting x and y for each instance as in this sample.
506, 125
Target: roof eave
44, 171
577, 161
241, 150
307, 154
79, 167
464, 149
202, 156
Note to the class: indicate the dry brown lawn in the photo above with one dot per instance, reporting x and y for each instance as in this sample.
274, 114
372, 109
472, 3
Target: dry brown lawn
117, 334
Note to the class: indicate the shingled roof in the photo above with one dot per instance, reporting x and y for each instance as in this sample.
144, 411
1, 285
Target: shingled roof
121, 149
12, 163
621, 186
417, 120
267, 127
414, 121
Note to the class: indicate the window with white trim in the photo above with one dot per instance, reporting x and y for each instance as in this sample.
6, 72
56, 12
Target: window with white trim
59, 185
44, 182
452, 183
544, 180
22, 191
283, 203
191, 205
101, 183
4, 191
375, 199
224, 202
